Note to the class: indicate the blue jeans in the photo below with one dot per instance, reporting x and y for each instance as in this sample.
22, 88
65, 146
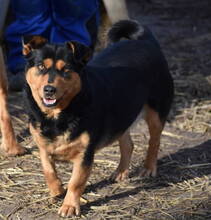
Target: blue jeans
57, 20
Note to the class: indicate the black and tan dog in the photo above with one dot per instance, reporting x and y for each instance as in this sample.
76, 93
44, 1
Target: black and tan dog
76, 109
9, 145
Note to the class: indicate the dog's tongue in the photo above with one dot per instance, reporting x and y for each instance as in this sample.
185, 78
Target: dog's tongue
49, 101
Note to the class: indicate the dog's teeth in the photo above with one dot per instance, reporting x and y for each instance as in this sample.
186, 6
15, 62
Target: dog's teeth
49, 101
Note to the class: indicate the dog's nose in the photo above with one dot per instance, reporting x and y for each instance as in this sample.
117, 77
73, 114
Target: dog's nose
49, 90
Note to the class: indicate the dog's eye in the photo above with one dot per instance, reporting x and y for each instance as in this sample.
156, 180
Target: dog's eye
41, 67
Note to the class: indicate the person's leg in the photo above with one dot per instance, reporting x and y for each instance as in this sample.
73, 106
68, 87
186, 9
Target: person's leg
31, 18
75, 20
117, 10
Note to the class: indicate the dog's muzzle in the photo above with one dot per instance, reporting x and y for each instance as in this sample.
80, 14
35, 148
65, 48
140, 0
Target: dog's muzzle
49, 95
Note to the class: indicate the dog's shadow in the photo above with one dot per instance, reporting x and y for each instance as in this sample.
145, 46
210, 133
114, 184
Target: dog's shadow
184, 164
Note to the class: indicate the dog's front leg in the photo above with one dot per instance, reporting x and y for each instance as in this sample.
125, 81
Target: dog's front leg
80, 174
52, 180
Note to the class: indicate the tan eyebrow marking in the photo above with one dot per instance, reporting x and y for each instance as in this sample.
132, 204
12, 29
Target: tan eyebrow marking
48, 63
60, 64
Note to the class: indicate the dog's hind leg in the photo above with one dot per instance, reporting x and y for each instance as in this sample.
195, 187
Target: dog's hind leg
9, 143
155, 126
126, 149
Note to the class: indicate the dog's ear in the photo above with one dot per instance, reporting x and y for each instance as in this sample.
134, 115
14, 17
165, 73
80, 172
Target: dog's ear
81, 52
32, 42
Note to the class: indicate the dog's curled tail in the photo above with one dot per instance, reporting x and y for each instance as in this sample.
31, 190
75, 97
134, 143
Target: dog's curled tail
129, 29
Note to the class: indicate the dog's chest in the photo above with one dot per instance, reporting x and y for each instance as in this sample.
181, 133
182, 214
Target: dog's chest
65, 149
61, 147
60, 142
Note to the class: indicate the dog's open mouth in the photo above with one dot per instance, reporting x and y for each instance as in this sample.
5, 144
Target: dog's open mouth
49, 102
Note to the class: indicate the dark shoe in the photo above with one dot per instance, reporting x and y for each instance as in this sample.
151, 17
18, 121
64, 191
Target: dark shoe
16, 82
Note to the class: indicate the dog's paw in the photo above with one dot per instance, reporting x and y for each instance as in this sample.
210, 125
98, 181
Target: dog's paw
69, 210
15, 150
147, 172
58, 192
57, 196
119, 175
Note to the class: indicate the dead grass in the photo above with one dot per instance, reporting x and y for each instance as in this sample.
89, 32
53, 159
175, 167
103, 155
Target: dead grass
192, 102
24, 195
182, 189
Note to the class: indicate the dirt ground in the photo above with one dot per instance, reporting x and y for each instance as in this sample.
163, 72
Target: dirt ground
182, 189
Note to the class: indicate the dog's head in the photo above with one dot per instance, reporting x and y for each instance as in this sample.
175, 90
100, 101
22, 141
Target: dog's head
53, 71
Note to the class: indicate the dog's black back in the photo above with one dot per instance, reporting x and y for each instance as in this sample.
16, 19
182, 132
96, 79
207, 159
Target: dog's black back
136, 69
